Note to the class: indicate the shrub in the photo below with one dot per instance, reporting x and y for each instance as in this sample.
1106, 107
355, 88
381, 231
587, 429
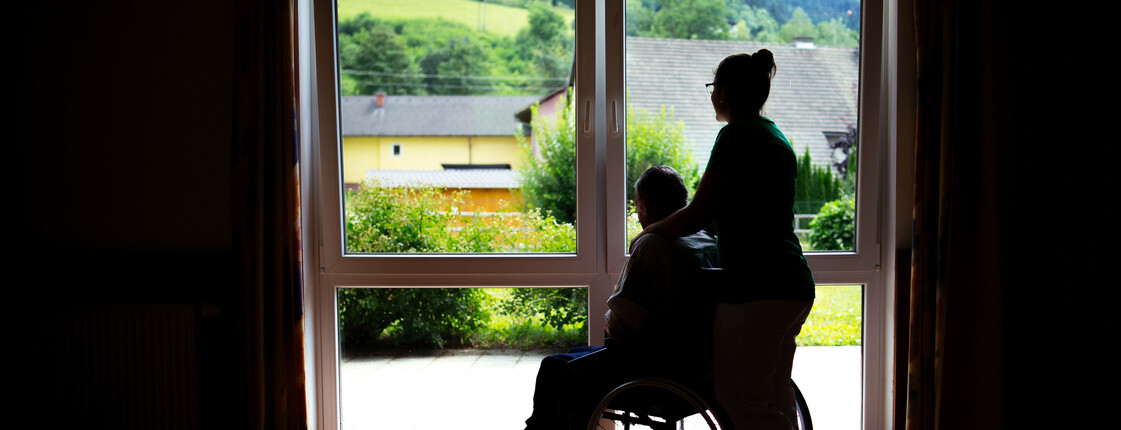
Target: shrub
815, 186
657, 140
523, 331
548, 178
426, 219
409, 317
548, 181
833, 227
558, 307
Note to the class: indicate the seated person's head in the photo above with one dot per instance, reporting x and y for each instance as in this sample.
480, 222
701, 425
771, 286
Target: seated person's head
659, 192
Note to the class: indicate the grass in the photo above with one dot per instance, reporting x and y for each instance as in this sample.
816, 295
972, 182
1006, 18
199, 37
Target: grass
836, 317
500, 19
835, 320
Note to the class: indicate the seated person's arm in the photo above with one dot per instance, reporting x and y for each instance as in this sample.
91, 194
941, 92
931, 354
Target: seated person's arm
641, 285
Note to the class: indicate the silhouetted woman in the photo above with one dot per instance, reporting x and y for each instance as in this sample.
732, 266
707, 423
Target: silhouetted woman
747, 193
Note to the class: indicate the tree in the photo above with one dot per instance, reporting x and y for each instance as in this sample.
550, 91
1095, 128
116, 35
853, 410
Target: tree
755, 24
815, 186
545, 43
639, 18
799, 25
657, 140
452, 69
691, 19
376, 60
549, 180
834, 33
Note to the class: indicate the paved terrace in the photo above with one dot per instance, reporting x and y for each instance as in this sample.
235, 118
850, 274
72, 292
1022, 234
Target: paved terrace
493, 389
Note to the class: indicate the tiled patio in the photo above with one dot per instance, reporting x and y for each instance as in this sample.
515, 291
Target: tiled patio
493, 389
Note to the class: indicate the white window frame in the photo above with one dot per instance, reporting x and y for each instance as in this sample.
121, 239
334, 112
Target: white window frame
601, 251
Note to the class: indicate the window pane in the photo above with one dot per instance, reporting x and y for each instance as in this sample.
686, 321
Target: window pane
827, 364
450, 358
672, 50
455, 132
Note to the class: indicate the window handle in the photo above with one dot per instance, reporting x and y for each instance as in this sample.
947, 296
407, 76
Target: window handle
587, 116
615, 118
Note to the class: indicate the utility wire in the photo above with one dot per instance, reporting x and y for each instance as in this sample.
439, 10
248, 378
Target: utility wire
435, 85
424, 75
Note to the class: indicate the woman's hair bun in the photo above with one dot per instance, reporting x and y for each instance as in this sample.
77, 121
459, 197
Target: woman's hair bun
764, 60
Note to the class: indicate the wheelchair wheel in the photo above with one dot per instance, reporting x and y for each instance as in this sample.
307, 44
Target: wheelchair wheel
652, 403
804, 421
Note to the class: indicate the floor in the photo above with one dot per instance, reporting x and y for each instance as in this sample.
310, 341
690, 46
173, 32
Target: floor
493, 389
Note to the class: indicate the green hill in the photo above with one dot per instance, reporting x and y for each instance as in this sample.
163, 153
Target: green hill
499, 19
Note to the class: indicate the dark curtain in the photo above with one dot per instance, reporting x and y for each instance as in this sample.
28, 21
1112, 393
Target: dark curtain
266, 202
1002, 259
956, 355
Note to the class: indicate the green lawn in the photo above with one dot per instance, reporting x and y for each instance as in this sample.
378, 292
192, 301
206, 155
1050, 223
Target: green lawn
503, 20
835, 320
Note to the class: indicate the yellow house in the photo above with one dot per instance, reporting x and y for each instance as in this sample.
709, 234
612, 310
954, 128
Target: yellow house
454, 142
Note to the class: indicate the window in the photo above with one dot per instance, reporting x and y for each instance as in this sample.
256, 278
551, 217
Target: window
599, 103
396, 149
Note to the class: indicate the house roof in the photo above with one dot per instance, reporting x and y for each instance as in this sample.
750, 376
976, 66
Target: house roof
814, 91
452, 178
432, 115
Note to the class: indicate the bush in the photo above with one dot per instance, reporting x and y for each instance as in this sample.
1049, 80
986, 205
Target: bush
558, 307
548, 180
548, 177
409, 317
657, 140
423, 218
426, 219
833, 227
524, 330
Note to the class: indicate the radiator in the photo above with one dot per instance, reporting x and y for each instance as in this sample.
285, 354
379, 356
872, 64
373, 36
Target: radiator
126, 366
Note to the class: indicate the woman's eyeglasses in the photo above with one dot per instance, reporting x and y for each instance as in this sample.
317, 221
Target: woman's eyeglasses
710, 87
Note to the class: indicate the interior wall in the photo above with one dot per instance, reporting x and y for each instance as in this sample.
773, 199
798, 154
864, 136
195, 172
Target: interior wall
121, 170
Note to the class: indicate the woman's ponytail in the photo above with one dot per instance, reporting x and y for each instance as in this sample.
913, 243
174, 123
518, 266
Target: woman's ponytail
764, 61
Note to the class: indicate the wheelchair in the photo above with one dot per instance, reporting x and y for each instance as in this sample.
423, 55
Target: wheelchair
665, 404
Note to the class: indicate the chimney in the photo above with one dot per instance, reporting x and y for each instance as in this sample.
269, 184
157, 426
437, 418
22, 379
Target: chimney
380, 97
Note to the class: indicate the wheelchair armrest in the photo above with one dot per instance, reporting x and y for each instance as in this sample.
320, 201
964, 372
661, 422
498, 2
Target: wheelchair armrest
587, 358
716, 284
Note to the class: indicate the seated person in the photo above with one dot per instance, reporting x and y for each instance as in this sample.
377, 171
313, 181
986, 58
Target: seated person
655, 323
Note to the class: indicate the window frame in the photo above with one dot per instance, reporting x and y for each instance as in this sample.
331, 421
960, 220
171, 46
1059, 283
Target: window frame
601, 209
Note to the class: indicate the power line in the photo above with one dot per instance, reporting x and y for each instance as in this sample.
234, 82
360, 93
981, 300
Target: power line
435, 85
424, 75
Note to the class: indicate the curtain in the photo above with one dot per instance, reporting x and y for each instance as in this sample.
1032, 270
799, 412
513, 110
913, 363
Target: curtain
956, 353
266, 218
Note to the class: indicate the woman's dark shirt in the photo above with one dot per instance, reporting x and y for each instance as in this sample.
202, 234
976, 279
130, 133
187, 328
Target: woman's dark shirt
757, 169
